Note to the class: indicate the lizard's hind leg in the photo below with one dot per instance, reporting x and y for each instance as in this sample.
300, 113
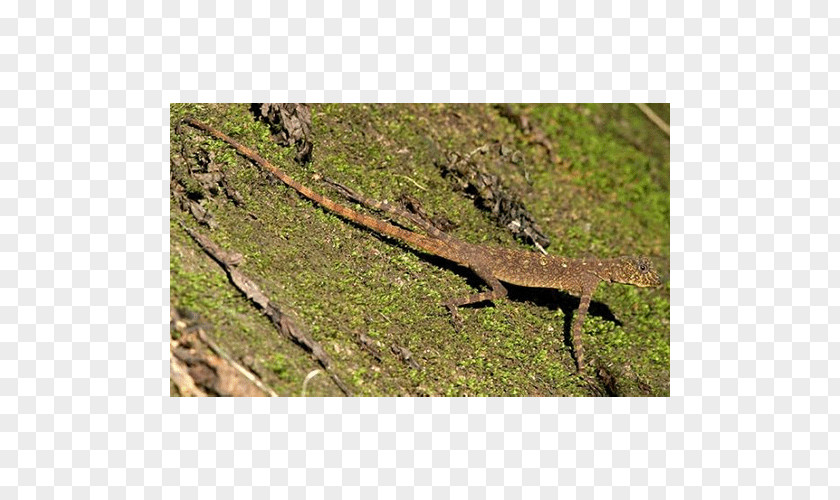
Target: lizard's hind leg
497, 291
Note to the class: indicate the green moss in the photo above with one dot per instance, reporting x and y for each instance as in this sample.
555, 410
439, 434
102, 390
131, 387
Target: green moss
609, 196
280, 366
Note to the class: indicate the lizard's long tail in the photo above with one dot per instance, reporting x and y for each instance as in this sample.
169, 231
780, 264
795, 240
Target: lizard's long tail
432, 245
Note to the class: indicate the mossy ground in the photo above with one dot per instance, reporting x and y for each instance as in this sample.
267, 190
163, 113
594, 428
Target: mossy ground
608, 197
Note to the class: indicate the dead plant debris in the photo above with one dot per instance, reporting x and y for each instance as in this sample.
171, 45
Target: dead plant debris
472, 178
291, 125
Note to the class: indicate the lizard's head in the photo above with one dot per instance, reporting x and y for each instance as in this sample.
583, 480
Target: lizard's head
636, 271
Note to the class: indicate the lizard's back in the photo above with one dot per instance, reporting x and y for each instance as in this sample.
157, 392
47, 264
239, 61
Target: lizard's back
523, 268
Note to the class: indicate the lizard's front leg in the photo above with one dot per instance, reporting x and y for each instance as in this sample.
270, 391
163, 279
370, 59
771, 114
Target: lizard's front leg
577, 340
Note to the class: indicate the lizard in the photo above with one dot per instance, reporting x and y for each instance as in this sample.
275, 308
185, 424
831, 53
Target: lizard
493, 265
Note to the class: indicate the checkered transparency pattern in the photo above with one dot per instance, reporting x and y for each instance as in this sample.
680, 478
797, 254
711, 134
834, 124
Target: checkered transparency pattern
84, 94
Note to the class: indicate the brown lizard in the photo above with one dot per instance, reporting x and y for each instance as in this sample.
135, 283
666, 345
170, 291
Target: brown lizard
493, 265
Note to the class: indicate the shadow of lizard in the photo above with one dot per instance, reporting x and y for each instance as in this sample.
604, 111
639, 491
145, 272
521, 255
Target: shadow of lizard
493, 265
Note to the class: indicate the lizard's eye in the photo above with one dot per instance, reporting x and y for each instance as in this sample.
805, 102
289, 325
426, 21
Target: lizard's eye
643, 267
